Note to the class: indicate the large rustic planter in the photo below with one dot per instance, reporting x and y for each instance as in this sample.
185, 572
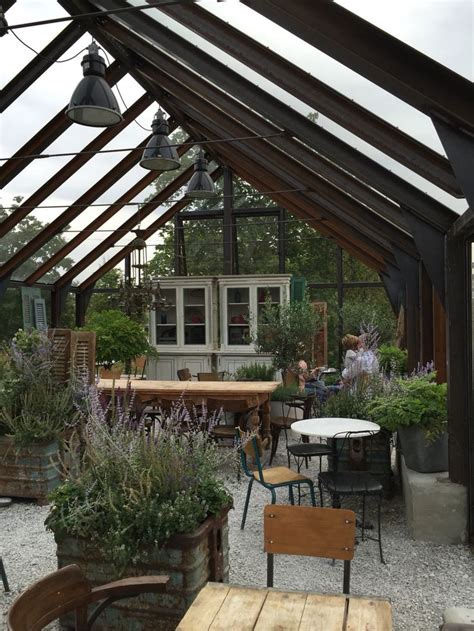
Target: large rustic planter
31, 472
189, 560
421, 455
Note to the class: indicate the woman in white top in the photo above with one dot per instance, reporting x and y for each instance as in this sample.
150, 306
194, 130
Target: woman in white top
350, 343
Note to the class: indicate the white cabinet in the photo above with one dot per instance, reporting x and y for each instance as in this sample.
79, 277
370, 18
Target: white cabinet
207, 323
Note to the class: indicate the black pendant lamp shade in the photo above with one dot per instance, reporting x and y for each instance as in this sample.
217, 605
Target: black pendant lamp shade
93, 103
159, 153
200, 186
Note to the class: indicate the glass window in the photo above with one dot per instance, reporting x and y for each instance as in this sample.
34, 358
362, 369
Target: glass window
238, 316
166, 323
194, 315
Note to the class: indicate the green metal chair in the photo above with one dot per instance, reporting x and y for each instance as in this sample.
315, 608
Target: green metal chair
271, 479
3, 576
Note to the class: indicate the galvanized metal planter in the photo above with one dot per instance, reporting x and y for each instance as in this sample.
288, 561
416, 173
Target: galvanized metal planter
421, 455
189, 560
30, 472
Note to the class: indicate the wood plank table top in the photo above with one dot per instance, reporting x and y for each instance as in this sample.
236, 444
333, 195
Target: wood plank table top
220, 606
219, 389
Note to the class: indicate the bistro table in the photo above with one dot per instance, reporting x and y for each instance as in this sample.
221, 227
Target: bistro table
255, 393
219, 607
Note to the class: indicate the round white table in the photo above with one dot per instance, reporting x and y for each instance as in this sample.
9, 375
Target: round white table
335, 427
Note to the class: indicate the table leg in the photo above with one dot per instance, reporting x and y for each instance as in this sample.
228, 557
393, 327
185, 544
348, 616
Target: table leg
267, 439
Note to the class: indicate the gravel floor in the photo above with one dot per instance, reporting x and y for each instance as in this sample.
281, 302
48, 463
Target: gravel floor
421, 579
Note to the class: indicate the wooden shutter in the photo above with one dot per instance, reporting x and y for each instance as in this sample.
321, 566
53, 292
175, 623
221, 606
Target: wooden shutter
297, 288
41, 321
28, 294
73, 351
61, 353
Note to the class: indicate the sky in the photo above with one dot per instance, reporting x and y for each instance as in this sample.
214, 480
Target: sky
441, 29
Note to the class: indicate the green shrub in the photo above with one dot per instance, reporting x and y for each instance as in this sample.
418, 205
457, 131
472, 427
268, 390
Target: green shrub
257, 372
136, 490
283, 393
393, 360
418, 401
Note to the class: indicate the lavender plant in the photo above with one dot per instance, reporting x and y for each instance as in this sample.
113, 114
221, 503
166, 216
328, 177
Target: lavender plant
138, 487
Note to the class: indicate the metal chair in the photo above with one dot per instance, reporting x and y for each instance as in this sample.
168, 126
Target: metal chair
271, 479
68, 590
3, 576
354, 482
309, 531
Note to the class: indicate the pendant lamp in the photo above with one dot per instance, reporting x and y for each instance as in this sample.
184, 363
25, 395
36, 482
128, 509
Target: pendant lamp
200, 186
159, 154
93, 103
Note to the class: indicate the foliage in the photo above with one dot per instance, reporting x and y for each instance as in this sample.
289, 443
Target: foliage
283, 393
354, 402
392, 359
33, 405
104, 301
119, 338
257, 372
368, 310
414, 401
287, 331
135, 490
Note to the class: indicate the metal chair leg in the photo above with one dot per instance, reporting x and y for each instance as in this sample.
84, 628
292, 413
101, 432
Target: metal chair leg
363, 518
380, 529
311, 490
291, 494
3, 575
244, 516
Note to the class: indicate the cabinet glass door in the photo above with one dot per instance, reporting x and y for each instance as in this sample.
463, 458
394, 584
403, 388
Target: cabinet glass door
166, 322
194, 303
238, 316
266, 295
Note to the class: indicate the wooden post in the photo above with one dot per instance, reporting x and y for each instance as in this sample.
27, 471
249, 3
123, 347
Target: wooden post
228, 227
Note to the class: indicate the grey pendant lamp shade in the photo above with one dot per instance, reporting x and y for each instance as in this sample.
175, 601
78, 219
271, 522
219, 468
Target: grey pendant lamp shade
159, 154
200, 186
93, 103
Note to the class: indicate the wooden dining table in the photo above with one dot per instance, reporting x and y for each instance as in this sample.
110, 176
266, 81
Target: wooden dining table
219, 607
255, 393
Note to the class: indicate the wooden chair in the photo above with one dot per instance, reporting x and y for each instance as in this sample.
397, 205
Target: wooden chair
69, 590
271, 479
184, 374
309, 531
209, 376
238, 407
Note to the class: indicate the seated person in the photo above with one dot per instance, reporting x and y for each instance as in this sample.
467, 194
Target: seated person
310, 381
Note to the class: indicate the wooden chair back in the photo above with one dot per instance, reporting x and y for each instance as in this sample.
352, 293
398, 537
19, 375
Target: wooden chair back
309, 531
69, 590
209, 376
250, 447
184, 374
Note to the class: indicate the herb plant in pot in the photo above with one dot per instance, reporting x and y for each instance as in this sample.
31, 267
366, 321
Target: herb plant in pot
143, 504
35, 413
416, 407
119, 340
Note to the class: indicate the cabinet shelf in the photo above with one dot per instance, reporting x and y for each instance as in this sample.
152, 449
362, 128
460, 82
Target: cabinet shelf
194, 324
246, 324
239, 304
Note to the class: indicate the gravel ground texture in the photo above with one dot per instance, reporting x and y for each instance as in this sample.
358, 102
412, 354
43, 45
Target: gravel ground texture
421, 579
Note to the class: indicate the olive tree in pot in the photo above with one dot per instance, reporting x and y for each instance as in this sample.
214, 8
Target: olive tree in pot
288, 332
119, 340
416, 407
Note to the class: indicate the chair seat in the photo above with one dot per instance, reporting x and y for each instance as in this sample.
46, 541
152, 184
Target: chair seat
306, 450
283, 422
223, 431
350, 482
280, 475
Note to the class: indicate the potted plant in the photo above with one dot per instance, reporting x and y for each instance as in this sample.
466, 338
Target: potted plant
144, 503
287, 331
119, 341
416, 407
255, 372
35, 412
278, 402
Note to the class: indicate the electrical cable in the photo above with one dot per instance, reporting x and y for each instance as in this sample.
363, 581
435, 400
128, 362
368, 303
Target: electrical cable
56, 61
95, 14
193, 143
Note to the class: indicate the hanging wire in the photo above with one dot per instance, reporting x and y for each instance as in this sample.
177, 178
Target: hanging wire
35, 156
169, 201
93, 14
56, 61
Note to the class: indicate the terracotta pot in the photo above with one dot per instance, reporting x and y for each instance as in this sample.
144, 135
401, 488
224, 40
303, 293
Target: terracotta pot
110, 374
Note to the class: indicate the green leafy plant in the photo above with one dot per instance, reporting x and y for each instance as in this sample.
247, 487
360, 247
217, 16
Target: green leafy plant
393, 360
283, 393
135, 490
415, 401
119, 338
287, 331
257, 372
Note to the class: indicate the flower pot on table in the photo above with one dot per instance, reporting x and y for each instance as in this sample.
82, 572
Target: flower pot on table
190, 560
422, 455
29, 472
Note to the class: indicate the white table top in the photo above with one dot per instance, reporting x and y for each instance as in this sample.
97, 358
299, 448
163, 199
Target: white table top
329, 427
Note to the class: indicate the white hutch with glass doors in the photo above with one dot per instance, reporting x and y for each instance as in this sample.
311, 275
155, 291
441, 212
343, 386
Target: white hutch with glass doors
207, 323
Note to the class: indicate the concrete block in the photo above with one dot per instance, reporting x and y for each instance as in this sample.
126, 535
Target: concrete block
459, 615
436, 508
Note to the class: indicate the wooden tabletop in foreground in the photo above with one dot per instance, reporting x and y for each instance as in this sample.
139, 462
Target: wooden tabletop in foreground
204, 388
219, 607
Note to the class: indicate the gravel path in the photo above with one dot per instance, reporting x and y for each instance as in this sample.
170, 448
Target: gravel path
421, 579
